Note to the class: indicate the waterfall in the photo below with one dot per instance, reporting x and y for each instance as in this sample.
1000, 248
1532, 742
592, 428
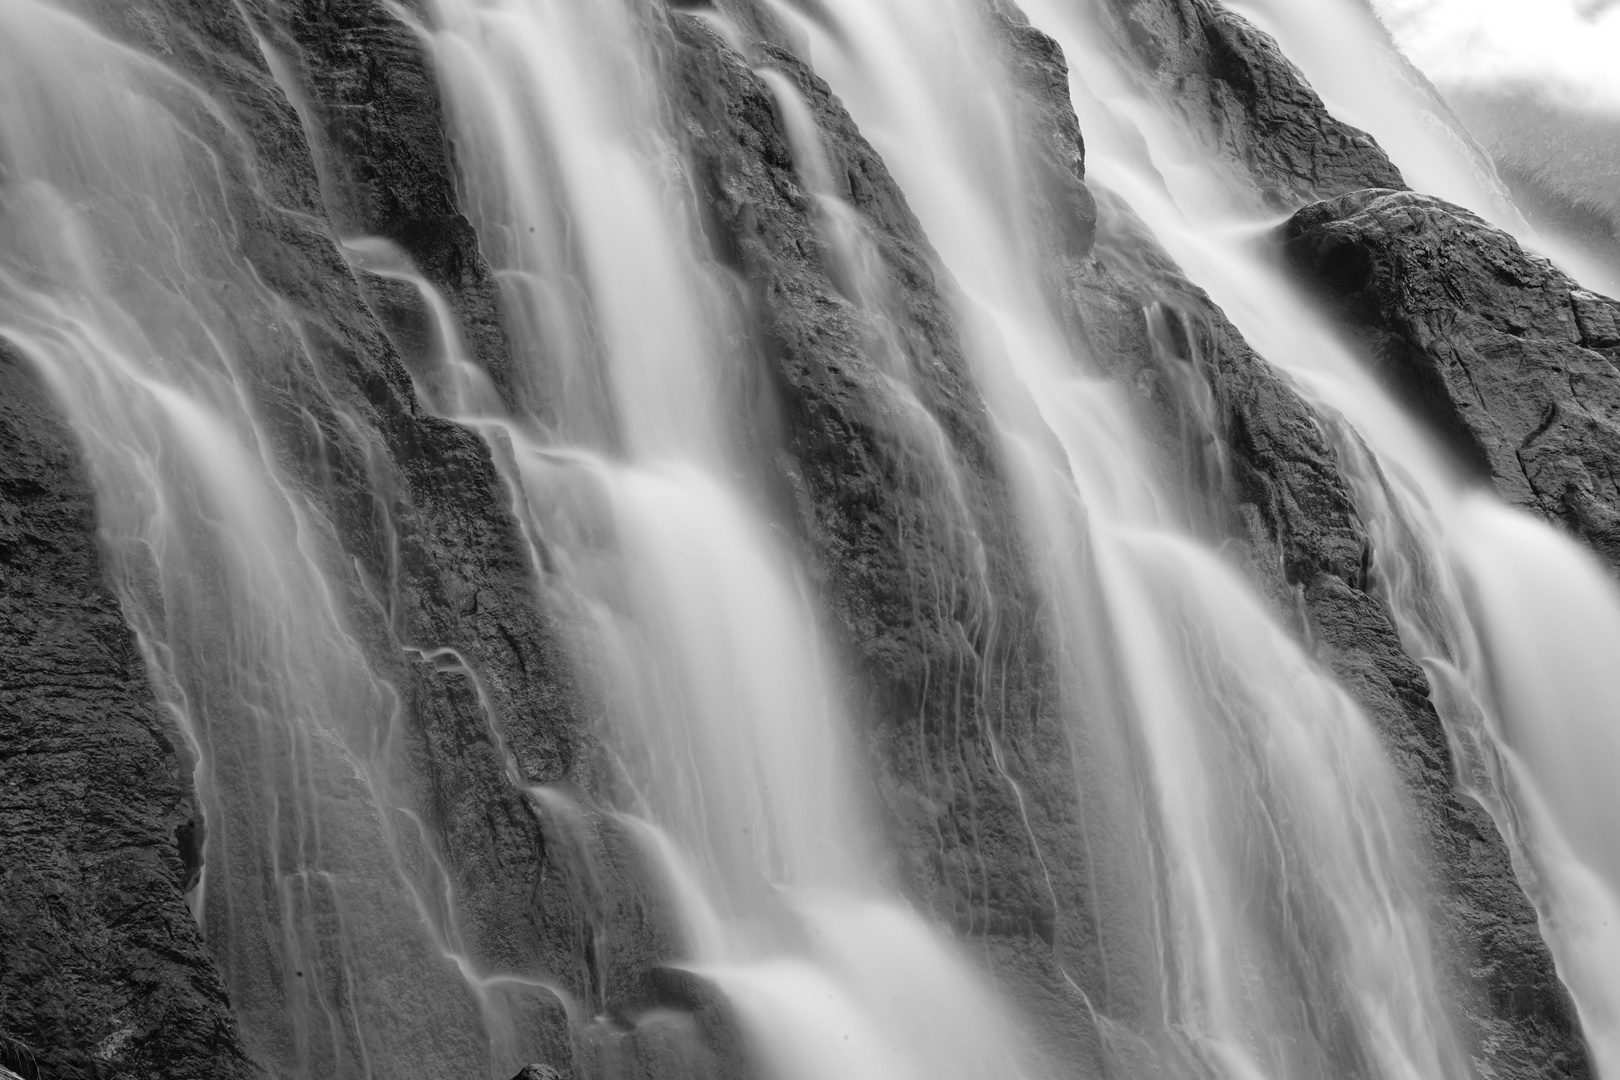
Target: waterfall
397, 849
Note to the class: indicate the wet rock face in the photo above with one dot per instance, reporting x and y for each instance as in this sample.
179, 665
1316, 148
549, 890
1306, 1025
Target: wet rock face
1511, 360
1248, 103
370, 98
103, 972
538, 1072
1512, 364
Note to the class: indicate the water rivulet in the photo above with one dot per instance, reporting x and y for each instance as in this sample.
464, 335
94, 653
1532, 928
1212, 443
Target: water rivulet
625, 539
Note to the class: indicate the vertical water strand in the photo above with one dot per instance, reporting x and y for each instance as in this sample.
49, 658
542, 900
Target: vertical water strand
1263, 779
580, 88
555, 100
120, 280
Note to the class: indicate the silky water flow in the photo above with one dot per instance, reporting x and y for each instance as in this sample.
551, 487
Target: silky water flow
1246, 831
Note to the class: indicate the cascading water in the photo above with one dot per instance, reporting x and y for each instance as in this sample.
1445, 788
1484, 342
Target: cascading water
1259, 907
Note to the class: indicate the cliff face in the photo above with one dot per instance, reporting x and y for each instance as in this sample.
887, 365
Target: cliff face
1510, 363
935, 611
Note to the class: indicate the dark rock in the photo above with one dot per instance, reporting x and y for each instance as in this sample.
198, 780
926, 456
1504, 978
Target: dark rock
570, 899
103, 972
1505, 356
416, 528
1246, 102
1276, 487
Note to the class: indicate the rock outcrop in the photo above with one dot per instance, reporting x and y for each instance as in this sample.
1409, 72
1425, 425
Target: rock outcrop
1507, 358
1247, 103
438, 581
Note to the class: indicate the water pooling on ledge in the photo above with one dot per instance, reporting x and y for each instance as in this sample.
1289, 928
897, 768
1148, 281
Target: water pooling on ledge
736, 868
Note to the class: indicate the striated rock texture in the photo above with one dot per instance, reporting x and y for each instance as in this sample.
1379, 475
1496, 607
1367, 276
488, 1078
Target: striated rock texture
1510, 360
1066, 212
1247, 102
102, 968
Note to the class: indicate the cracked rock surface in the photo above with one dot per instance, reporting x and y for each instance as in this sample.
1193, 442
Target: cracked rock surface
1510, 360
